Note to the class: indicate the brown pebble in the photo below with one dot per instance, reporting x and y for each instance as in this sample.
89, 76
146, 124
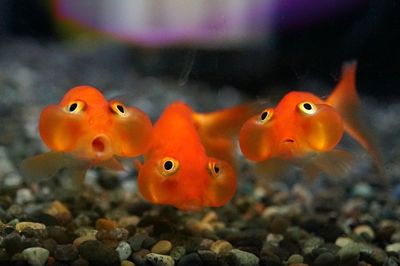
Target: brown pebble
128, 220
105, 224
78, 241
127, 263
59, 211
162, 247
221, 247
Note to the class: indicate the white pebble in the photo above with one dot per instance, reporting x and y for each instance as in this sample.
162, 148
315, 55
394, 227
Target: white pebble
36, 256
124, 250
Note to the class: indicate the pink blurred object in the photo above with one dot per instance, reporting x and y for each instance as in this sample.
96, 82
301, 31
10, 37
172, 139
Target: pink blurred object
206, 23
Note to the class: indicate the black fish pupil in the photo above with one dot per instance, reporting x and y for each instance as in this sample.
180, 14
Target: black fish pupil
264, 115
120, 108
216, 169
168, 165
73, 107
307, 106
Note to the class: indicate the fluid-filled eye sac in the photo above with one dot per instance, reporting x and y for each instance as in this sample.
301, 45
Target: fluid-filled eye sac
256, 140
324, 129
60, 130
222, 183
131, 131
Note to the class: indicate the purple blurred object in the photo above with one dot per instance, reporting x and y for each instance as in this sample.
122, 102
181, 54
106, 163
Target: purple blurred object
206, 23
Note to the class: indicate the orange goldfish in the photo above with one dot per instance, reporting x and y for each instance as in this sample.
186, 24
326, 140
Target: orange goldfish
305, 129
181, 169
86, 130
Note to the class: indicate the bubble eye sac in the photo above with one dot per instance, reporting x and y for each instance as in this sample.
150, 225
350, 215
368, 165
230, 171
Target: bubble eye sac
307, 108
169, 166
214, 168
266, 115
74, 107
119, 108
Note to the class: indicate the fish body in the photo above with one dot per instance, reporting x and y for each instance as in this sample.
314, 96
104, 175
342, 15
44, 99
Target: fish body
86, 129
305, 129
183, 170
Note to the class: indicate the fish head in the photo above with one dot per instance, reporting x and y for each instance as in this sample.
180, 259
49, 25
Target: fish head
186, 184
85, 124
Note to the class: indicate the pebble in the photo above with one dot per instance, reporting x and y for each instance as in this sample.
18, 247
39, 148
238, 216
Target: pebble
59, 211
97, 253
191, 259
36, 256
177, 252
66, 253
127, 263
60, 234
312, 243
124, 250
23, 195
78, 241
12, 243
363, 190
295, 258
221, 247
23, 225
136, 242
80, 262
208, 257
326, 259
364, 229
162, 247
160, 260
343, 241
105, 224
395, 247
243, 258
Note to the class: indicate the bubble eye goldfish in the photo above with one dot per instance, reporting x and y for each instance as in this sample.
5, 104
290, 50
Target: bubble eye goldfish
91, 130
305, 128
178, 169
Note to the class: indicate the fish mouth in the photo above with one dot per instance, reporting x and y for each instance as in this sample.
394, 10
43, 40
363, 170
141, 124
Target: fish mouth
100, 145
288, 140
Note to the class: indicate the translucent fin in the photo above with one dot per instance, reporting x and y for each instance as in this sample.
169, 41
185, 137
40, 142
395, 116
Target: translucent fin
48, 164
335, 163
345, 99
226, 122
112, 164
271, 169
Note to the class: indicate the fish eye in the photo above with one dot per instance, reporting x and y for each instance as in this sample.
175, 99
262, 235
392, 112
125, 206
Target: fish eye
74, 107
169, 166
119, 108
266, 115
214, 168
307, 108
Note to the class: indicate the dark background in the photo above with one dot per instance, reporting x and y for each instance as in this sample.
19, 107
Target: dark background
369, 33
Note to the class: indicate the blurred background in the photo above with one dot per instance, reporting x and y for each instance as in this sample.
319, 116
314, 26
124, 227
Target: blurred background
252, 45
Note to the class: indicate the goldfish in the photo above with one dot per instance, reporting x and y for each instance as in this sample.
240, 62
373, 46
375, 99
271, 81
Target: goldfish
189, 161
86, 130
305, 129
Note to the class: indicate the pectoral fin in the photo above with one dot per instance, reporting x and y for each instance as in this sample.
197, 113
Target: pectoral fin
335, 163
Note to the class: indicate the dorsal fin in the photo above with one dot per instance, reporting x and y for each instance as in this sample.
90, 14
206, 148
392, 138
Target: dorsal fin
345, 99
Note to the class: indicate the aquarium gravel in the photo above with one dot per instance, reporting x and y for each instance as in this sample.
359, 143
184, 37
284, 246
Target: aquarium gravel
292, 221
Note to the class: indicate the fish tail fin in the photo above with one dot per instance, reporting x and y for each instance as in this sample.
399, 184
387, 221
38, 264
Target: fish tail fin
218, 129
346, 100
227, 121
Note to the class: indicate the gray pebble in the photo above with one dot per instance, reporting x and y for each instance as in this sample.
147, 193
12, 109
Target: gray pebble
208, 257
326, 259
66, 253
242, 258
96, 252
191, 259
36, 256
124, 250
295, 258
136, 242
177, 252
